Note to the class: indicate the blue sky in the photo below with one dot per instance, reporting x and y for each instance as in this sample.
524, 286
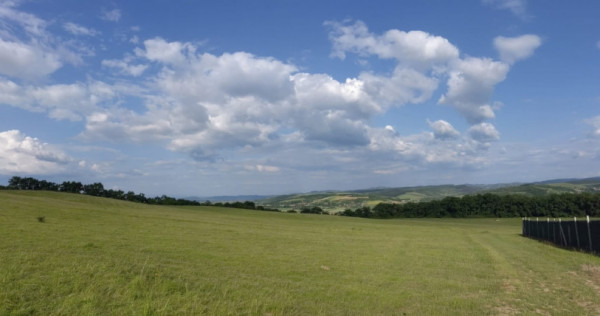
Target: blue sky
271, 97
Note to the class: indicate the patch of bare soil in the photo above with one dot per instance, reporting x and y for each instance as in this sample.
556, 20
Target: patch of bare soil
593, 276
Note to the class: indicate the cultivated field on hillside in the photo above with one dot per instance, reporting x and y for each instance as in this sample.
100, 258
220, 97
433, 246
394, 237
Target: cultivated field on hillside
91, 255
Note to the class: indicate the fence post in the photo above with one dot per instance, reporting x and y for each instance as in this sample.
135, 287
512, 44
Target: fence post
554, 231
548, 229
589, 232
561, 232
576, 232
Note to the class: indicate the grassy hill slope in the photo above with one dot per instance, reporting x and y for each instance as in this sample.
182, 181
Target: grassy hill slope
338, 201
101, 256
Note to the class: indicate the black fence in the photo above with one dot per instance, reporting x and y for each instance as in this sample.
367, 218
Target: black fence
577, 234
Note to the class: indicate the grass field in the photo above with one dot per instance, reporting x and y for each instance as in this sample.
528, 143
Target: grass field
100, 256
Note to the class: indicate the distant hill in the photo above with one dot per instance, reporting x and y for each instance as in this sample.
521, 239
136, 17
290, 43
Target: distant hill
339, 200
552, 187
228, 198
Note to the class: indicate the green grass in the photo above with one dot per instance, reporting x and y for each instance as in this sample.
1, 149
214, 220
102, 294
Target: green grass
100, 256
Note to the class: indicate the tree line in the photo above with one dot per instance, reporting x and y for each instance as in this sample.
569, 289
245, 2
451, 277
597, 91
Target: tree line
97, 189
489, 205
479, 205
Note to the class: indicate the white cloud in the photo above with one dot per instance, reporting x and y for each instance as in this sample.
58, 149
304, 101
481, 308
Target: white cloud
237, 100
512, 49
124, 67
60, 101
12, 94
595, 123
28, 51
207, 105
210, 106
32, 24
443, 130
157, 49
423, 150
112, 15
23, 154
25, 61
403, 86
415, 47
483, 133
76, 29
470, 85
517, 7
423, 59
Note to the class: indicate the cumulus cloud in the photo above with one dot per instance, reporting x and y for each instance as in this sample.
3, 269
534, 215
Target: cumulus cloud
245, 100
512, 49
205, 104
443, 130
424, 150
422, 60
24, 154
483, 133
61, 101
157, 49
403, 86
415, 47
470, 85
26, 61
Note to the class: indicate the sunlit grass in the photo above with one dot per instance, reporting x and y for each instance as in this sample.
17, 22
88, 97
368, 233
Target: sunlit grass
99, 256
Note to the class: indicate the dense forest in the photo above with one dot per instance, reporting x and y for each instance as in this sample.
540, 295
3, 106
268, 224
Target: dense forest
477, 205
489, 205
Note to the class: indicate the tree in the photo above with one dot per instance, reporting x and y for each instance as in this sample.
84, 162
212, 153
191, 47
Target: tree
95, 189
71, 186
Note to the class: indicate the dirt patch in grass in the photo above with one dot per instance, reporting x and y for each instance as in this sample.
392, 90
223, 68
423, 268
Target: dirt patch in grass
593, 276
507, 310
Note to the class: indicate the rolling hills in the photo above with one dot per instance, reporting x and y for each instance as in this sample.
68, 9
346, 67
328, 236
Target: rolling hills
336, 201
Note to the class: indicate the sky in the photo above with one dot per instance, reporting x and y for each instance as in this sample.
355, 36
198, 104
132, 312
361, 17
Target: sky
205, 98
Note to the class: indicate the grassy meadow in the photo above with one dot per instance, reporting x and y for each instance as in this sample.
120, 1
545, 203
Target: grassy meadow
101, 256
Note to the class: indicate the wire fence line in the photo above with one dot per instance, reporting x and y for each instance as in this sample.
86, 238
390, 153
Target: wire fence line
577, 234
